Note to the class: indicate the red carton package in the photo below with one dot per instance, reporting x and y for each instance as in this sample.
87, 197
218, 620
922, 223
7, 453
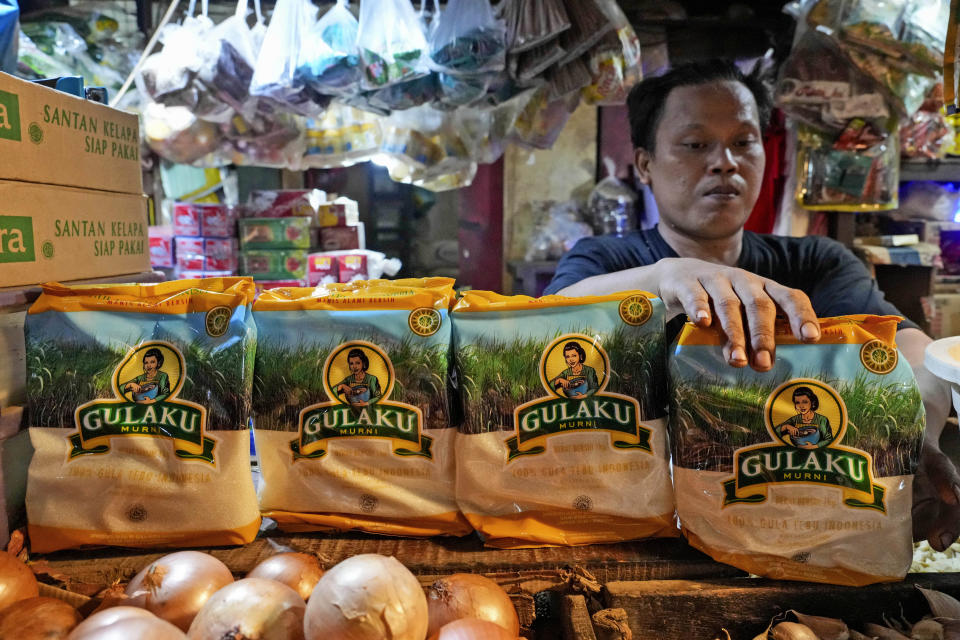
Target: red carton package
283, 203
161, 247
209, 220
207, 254
352, 266
342, 212
322, 269
340, 238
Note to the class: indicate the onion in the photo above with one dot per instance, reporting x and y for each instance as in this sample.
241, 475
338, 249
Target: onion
367, 597
299, 571
38, 619
251, 609
17, 581
465, 595
176, 586
125, 623
472, 629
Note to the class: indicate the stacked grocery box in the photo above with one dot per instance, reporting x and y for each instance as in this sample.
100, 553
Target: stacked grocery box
342, 257
276, 233
205, 240
71, 190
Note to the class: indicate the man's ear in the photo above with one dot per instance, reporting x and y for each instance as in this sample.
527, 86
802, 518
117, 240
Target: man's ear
641, 159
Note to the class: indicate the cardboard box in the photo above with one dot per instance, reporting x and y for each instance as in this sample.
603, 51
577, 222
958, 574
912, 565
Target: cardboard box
322, 269
342, 212
340, 239
276, 264
60, 233
52, 137
352, 266
943, 314
207, 220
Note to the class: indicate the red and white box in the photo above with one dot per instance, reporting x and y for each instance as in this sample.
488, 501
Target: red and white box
161, 247
322, 269
352, 266
283, 203
342, 212
207, 254
342, 238
206, 220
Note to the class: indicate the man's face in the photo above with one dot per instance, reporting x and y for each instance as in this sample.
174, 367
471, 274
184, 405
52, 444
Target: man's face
571, 356
355, 364
150, 365
802, 404
706, 171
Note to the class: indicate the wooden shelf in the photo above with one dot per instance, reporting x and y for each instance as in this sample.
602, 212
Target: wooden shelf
14, 298
941, 171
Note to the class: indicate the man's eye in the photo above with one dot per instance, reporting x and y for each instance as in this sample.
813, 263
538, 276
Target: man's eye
695, 145
746, 142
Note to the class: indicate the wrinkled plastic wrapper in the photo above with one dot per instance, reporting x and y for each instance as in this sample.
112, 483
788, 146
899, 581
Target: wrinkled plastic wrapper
539, 125
392, 43
62, 41
928, 200
341, 137
229, 56
169, 77
467, 37
612, 205
859, 170
927, 135
485, 131
329, 58
557, 232
818, 86
178, 135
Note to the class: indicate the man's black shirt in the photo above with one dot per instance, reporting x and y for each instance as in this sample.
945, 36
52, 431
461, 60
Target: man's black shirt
836, 282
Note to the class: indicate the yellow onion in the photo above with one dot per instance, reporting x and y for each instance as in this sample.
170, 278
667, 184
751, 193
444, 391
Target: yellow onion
176, 586
299, 571
465, 595
38, 619
125, 623
251, 609
367, 597
17, 581
472, 629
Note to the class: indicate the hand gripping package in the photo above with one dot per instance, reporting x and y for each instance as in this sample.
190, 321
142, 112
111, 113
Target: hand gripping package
803, 472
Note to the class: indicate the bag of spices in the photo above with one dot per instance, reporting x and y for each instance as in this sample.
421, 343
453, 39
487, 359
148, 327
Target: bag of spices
139, 401
803, 472
350, 408
562, 437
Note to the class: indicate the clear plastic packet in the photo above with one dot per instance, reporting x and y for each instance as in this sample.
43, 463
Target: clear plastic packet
392, 43
568, 78
904, 90
275, 74
950, 50
459, 90
467, 37
859, 170
329, 58
341, 137
557, 231
588, 24
615, 62
539, 124
819, 86
926, 135
875, 24
925, 32
275, 140
405, 95
531, 23
177, 135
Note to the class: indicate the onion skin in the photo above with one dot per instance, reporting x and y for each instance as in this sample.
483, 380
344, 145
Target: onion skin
125, 623
299, 571
38, 619
176, 586
17, 581
367, 597
465, 595
472, 629
251, 609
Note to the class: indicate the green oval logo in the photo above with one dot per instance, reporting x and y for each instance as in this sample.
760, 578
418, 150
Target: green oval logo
35, 133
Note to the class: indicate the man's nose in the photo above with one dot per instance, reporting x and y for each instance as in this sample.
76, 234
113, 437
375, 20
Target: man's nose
722, 161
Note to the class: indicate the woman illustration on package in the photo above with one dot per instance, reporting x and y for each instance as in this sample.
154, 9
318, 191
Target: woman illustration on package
807, 429
153, 385
578, 380
359, 388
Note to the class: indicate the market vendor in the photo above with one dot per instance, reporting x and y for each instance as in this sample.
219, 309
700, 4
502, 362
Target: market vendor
697, 135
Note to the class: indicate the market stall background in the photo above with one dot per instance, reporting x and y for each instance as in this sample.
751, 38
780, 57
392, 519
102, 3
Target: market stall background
462, 167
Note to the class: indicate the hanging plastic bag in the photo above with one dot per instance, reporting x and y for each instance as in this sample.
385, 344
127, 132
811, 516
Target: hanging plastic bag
229, 55
468, 38
539, 124
532, 23
615, 62
329, 59
179, 136
588, 24
393, 46
275, 74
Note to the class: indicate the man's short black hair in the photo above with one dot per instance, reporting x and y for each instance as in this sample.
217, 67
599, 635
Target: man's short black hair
646, 99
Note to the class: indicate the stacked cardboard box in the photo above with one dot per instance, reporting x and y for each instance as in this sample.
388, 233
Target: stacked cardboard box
71, 192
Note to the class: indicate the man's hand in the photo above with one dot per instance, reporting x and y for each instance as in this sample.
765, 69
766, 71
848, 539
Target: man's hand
744, 303
936, 503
